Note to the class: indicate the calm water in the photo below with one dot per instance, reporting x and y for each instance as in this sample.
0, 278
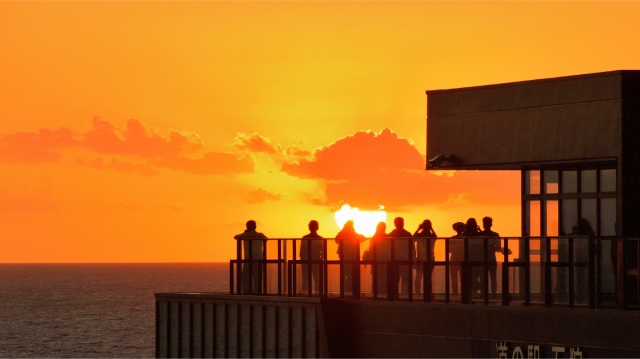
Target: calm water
91, 310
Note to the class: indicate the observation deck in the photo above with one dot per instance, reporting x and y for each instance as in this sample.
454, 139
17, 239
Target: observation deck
554, 296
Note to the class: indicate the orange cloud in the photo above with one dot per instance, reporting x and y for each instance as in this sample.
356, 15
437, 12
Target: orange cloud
137, 140
211, 163
369, 169
141, 150
117, 165
254, 143
261, 195
35, 147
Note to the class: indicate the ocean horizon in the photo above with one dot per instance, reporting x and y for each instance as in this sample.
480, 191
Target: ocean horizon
97, 310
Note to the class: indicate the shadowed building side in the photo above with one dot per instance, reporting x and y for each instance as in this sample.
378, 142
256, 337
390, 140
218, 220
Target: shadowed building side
218, 325
573, 138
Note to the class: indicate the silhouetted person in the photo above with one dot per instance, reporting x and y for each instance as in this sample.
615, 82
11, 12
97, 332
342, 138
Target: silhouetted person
253, 244
403, 250
456, 248
493, 246
380, 252
349, 251
311, 250
476, 254
581, 255
422, 237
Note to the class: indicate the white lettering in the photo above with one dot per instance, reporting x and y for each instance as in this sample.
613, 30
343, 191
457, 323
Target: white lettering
557, 350
576, 353
501, 348
533, 352
517, 353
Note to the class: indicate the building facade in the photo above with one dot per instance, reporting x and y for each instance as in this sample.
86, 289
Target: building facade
575, 141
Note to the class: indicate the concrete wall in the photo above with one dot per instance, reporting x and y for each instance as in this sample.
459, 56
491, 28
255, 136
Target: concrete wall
420, 330
216, 325
197, 325
504, 126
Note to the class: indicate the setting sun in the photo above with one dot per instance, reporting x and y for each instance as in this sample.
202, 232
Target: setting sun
365, 221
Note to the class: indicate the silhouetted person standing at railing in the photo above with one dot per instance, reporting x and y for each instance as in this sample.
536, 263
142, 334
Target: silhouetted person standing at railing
422, 237
582, 256
493, 246
380, 252
456, 248
349, 251
311, 250
476, 254
253, 244
403, 250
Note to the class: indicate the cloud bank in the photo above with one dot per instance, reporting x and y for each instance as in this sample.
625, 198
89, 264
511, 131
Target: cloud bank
369, 169
135, 148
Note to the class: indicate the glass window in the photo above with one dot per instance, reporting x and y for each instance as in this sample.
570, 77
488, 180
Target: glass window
534, 218
532, 182
588, 217
608, 180
551, 184
588, 181
552, 218
569, 216
608, 217
569, 181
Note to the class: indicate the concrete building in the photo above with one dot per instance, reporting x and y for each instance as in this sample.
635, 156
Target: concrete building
576, 141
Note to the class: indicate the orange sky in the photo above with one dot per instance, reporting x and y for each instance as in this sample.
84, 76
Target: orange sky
151, 131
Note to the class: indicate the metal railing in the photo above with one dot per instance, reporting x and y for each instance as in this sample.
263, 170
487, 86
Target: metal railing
569, 271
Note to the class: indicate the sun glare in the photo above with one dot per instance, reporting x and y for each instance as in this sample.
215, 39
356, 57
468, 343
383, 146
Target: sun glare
365, 221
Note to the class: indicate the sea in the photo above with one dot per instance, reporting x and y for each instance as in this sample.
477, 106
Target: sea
92, 310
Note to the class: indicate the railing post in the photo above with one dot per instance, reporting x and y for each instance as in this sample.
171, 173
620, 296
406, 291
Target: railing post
239, 267
592, 274
427, 272
263, 269
465, 280
231, 279
572, 296
505, 272
324, 281
620, 271
280, 265
548, 295
527, 271
356, 275
447, 273
485, 270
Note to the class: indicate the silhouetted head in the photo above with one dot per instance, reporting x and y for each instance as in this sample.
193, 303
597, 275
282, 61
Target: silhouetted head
584, 227
251, 225
426, 225
471, 227
348, 225
313, 226
487, 222
381, 228
399, 222
458, 227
